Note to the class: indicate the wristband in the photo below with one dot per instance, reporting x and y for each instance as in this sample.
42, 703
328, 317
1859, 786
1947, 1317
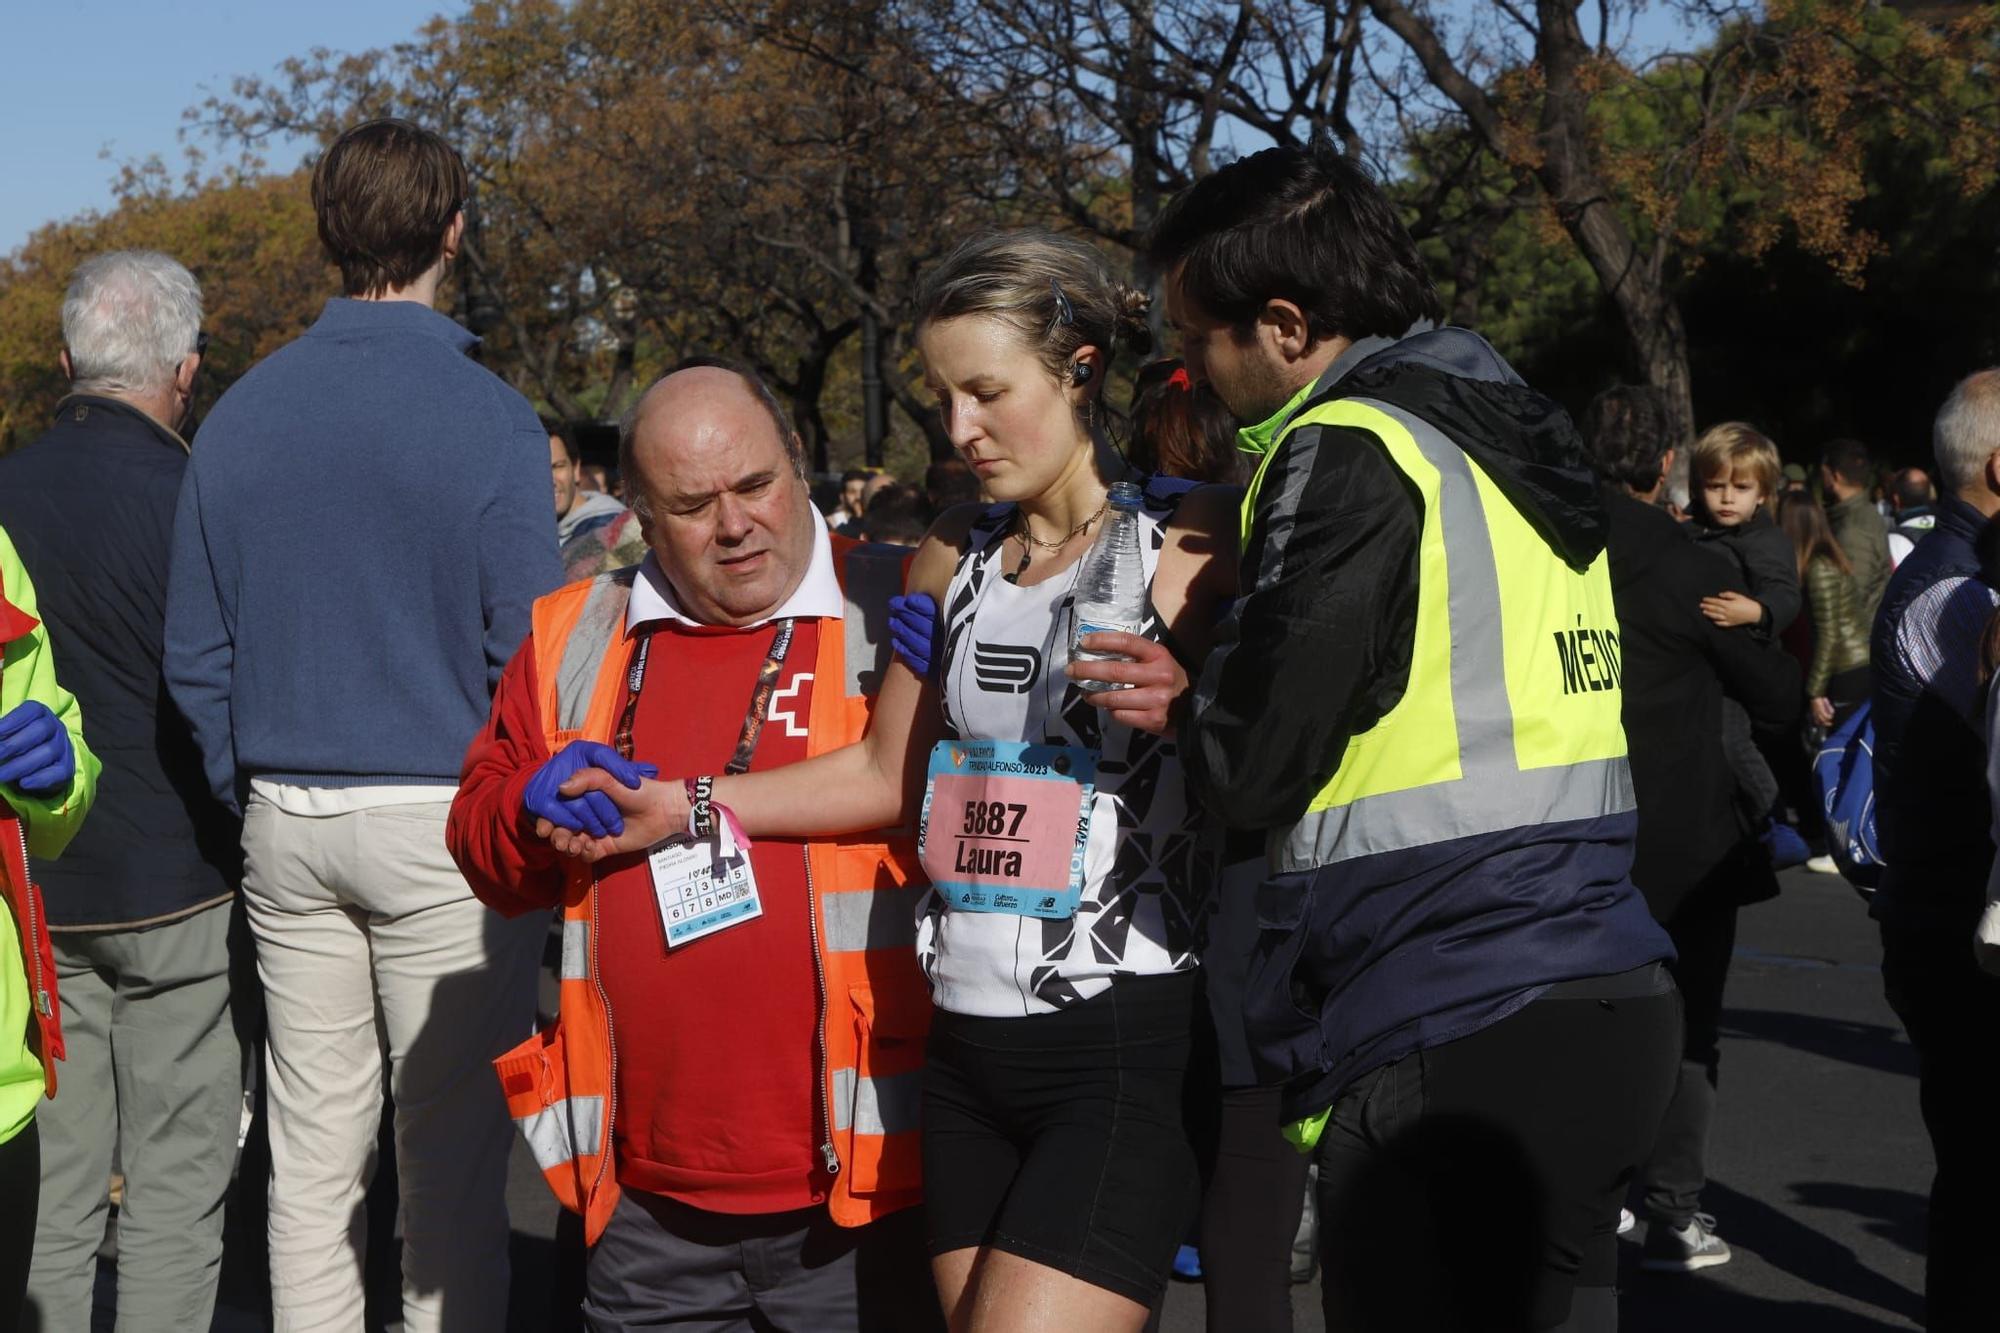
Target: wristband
701, 807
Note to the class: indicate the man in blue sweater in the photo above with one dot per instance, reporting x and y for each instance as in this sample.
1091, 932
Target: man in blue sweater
363, 527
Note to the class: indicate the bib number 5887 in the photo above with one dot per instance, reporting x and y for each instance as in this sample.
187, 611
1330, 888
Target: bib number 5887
993, 818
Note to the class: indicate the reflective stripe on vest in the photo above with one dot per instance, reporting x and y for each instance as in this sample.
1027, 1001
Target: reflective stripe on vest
1510, 715
601, 624
564, 1131
855, 920
872, 919
575, 950
890, 1105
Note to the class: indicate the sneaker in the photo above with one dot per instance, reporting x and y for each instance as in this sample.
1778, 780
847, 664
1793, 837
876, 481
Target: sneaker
1626, 1221
1685, 1249
1822, 865
1787, 848
1187, 1263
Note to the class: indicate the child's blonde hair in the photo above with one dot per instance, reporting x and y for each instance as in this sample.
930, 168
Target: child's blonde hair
1723, 449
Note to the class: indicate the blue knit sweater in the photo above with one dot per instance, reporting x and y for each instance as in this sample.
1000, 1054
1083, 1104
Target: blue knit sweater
365, 522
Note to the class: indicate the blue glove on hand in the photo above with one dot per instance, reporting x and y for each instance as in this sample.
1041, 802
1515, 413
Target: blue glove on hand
913, 628
36, 757
592, 812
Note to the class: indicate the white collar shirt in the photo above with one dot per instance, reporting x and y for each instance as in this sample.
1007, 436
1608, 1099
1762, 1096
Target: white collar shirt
818, 593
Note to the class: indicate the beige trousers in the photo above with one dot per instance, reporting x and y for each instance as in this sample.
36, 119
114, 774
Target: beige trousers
369, 944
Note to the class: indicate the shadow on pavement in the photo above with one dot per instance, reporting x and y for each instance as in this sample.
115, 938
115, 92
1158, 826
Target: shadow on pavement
1897, 1216
1656, 1302
1869, 1045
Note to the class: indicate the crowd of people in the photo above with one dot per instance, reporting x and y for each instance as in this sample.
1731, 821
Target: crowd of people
929, 954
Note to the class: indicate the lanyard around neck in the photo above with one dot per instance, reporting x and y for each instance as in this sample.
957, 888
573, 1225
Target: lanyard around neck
753, 721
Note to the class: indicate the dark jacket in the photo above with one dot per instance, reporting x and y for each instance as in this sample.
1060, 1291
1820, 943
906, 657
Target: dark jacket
90, 506
1763, 561
1678, 666
1368, 959
361, 534
1932, 813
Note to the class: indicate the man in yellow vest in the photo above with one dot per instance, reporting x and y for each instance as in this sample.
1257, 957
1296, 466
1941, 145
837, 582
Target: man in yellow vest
1416, 700
730, 1096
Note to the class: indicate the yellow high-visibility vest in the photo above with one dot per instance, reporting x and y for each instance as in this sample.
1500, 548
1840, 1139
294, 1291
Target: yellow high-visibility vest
1510, 717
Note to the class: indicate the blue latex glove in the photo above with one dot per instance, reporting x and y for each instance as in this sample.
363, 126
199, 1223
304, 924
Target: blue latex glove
592, 812
914, 623
36, 757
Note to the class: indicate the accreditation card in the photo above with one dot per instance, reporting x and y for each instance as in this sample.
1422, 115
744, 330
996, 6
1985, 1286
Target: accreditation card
704, 885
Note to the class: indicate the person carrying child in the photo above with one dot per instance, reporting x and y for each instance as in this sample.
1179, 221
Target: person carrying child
1735, 474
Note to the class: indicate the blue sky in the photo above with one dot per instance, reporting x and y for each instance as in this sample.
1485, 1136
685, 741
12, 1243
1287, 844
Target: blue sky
81, 76
85, 76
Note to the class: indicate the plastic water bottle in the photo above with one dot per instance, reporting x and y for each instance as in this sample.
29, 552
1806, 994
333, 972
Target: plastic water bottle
1111, 583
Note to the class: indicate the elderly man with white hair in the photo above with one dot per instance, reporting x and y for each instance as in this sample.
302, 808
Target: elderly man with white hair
1934, 826
138, 906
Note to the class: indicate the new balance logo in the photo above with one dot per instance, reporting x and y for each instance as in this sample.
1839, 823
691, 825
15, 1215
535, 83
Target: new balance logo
1005, 668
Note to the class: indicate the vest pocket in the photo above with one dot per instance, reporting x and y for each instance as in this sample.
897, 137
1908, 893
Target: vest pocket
560, 1130
877, 1097
1281, 996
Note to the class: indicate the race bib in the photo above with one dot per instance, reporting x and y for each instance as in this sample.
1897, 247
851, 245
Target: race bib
703, 886
1005, 825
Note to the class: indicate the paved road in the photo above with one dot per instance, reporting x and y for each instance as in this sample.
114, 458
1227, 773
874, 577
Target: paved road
1819, 1165
1819, 1161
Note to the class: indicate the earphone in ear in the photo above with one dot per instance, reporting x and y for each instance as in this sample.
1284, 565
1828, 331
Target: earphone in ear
1080, 373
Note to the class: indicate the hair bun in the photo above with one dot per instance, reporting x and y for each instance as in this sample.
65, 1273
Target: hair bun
1134, 323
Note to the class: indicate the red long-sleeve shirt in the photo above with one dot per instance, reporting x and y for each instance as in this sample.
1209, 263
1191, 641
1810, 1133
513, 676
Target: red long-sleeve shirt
717, 1085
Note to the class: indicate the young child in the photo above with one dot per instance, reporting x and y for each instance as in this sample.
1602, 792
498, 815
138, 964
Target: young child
1735, 470
1735, 474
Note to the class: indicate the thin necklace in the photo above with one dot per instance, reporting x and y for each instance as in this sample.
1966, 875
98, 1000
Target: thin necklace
1029, 539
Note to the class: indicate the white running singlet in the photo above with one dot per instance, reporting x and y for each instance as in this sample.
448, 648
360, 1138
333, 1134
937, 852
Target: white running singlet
1002, 679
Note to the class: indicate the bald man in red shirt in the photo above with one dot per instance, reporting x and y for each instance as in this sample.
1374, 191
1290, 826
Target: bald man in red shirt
749, 1024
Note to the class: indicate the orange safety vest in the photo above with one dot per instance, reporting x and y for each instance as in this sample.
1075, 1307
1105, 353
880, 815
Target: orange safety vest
874, 1006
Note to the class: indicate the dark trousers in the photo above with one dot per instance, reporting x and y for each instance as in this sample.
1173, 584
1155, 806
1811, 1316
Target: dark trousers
1951, 1010
661, 1263
1539, 1120
1253, 1182
20, 1196
1847, 691
1253, 1190
1704, 935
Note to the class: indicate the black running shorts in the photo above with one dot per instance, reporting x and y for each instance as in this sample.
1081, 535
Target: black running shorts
1058, 1137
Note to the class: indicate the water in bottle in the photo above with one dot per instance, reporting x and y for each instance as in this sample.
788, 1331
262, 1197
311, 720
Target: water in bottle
1111, 582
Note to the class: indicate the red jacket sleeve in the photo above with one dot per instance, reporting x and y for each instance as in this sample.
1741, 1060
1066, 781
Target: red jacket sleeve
490, 836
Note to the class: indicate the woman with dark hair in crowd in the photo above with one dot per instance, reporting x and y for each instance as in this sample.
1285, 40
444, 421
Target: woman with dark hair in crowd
1837, 679
1181, 429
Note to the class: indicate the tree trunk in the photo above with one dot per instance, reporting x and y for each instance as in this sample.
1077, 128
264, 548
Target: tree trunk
807, 419
1568, 172
921, 414
874, 413
1139, 113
